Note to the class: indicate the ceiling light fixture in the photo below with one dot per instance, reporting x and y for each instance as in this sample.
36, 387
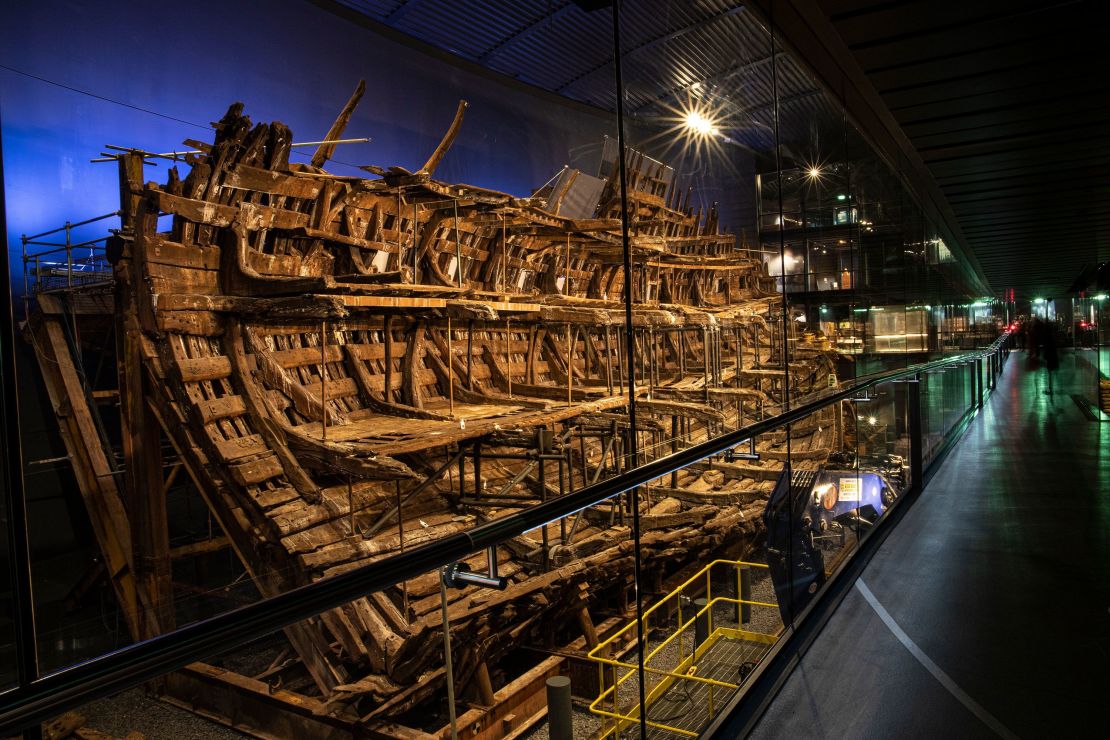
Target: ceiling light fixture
699, 124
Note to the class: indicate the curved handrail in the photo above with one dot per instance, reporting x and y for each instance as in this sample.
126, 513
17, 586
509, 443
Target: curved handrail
106, 674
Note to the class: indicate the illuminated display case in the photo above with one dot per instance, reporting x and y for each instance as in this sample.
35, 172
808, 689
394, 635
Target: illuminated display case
898, 329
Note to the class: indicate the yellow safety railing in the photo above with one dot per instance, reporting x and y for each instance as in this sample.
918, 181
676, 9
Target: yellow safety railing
701, 583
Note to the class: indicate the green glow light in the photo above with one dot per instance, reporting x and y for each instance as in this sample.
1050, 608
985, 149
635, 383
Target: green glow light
842, 197
1100, 297
1038, 300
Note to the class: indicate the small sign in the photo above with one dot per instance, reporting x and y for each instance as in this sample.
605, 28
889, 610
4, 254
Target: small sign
832, 380
849, 489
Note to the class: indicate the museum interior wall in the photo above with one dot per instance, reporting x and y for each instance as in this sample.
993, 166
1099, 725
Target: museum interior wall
377, 273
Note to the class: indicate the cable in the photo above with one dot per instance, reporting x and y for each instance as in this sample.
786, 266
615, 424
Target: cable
141, 109
101, 97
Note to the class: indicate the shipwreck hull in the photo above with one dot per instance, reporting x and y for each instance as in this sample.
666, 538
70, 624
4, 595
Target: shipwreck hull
351, 367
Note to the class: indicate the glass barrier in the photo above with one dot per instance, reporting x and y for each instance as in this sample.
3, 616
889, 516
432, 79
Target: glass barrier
8, 666
261, 355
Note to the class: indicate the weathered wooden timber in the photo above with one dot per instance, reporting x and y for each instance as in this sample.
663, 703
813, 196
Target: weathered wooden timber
350, 366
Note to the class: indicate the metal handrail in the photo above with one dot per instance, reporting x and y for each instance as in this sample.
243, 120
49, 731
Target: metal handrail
112, 672
33, 263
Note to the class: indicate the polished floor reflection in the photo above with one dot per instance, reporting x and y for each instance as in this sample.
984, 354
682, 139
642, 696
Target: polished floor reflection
986, 612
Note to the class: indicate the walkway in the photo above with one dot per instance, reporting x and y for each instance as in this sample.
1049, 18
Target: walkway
998, 581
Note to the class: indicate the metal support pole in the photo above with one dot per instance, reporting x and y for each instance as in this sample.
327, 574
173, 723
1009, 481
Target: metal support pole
917, 460
745, 610
701, 623
446, 627
626, 249
559, 718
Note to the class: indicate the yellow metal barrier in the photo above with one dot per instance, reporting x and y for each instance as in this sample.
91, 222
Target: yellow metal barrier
686, 669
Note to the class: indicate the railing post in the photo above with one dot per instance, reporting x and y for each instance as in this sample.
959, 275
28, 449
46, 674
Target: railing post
974, 384
69, 256
917, 460
979, 382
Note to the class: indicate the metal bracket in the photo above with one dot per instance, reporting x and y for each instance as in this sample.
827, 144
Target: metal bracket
456, 575
731, 454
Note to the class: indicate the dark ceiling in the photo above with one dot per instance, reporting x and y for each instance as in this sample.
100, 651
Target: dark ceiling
1008, 103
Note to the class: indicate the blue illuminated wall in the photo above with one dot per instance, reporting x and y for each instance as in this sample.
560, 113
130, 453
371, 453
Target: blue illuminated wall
184, 63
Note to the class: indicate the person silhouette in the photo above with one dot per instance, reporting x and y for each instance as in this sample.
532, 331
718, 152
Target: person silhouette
1051, 356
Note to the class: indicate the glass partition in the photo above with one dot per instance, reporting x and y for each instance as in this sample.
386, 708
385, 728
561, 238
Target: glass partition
8, 665
407, 284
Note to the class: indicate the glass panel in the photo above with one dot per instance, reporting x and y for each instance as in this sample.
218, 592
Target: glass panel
8, 673
287, 352
321, 354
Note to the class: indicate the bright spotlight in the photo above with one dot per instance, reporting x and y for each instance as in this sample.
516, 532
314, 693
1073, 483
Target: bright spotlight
872, 420
699, 124
814, 172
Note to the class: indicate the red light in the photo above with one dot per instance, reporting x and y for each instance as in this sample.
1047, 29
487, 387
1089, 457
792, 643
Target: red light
1082, 324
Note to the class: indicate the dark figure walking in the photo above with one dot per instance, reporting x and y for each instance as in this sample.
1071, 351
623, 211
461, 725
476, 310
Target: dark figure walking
1051, 356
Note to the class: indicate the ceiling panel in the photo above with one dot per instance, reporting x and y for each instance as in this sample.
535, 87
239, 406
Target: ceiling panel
1008, 102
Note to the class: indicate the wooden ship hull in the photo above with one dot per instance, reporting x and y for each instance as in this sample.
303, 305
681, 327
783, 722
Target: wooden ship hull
350, 367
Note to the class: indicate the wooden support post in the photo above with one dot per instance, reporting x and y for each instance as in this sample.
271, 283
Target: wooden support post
469, 354
705, 349
415, 248
570, 368
739, 355
504, 254
142, 451
674, 447
508, 359
324, 380
566, 277
401, 545
476, 452
542, 475
450, 371
351, 505
682, 351
387, 339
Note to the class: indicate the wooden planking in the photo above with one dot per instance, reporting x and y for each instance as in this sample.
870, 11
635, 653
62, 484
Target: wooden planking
253, 217
301, 356
245, 177
256, 471
237, 448
214, 409
200, 369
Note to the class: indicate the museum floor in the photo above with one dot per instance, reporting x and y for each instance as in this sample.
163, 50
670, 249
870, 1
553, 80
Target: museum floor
985, 612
